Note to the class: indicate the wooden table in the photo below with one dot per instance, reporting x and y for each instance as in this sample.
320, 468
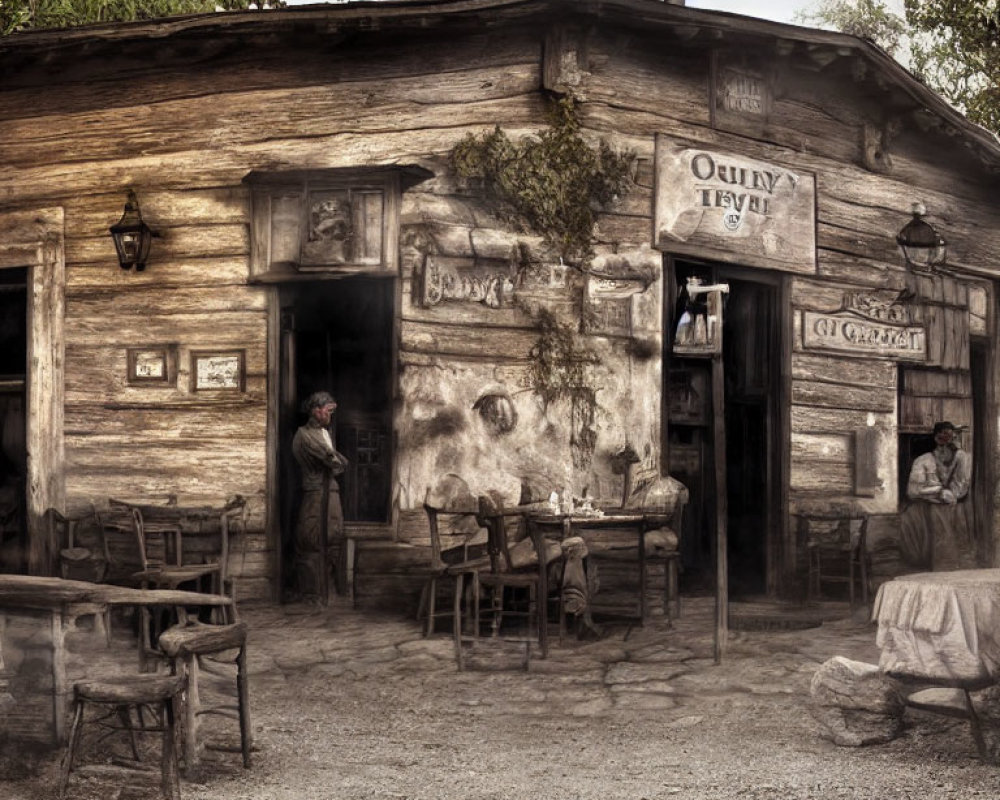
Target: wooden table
571, 523
65, 600
942, 629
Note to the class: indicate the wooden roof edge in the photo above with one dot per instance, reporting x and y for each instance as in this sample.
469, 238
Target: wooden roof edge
417, 12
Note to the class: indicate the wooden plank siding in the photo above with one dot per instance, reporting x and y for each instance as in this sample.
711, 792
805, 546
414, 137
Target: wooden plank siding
147, 442
185, 132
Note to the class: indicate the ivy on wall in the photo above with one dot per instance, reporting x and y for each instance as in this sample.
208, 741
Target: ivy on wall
552, 183
558, 372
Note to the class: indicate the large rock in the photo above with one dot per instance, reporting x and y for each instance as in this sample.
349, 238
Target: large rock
855, 704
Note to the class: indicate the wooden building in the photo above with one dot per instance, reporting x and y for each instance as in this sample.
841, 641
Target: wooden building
313, 233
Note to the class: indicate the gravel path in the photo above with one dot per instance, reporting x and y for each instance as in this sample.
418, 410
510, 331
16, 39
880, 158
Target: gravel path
351, 706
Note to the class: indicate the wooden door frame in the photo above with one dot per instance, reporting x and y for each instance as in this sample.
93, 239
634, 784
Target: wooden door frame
779, 544
274, 360
985, 490
35, 239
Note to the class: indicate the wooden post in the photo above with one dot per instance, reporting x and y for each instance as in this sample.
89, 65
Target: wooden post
721, 506
60, 696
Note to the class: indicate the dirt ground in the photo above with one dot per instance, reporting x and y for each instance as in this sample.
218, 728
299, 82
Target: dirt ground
347, 705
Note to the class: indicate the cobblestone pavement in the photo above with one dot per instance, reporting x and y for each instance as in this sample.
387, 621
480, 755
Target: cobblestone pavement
350, 705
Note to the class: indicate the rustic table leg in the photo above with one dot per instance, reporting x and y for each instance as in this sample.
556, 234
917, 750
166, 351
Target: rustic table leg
59, 683
642, 573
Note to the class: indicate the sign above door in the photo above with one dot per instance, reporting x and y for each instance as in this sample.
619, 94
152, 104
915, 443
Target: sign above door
730, 208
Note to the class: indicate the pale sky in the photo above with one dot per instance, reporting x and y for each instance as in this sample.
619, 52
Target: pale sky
777, 10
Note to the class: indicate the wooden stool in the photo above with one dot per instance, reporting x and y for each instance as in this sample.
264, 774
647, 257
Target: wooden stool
122, 695
185, 646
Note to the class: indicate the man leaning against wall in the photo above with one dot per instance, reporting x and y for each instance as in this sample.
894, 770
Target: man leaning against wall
936, 534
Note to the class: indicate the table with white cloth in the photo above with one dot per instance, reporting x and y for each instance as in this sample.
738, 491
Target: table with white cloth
942, 629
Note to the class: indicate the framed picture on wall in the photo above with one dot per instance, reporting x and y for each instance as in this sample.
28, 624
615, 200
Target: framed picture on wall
152, 365
218, 370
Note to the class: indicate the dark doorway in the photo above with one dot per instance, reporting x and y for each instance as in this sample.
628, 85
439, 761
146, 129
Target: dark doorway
337, 336
13, 450
983, 442
749, 346
750, 362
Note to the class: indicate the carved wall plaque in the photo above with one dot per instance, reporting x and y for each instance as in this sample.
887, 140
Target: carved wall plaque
742, 94
850, 333
742, 91
440, 281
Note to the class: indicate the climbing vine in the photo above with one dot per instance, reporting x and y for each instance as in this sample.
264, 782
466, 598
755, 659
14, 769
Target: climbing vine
551, 183
558, 372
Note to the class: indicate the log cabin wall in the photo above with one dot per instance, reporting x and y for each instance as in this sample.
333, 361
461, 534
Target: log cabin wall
827, 115
332, 92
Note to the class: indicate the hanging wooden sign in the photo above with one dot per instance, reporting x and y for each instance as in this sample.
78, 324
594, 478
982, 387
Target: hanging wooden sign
850, 333
735, 209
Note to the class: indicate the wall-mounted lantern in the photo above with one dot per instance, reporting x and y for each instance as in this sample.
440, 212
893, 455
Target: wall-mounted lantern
922, 247
132, 236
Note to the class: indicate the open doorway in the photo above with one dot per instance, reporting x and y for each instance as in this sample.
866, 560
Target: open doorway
751, 373
337, 336
13, 449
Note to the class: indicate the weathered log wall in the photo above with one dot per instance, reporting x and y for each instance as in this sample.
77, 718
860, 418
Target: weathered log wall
186, 132
820, 123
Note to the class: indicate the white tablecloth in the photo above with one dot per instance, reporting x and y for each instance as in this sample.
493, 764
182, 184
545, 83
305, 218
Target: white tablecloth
941, 626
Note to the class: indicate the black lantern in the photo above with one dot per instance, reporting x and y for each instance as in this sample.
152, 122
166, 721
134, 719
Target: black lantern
132, 236
921, 245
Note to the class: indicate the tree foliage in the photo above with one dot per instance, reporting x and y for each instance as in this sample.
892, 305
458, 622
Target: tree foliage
951, 45
551, 183
23, 14
868, 19
956, 50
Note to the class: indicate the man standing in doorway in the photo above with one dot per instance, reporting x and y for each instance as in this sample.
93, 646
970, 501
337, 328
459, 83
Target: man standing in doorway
319, 531
935, 525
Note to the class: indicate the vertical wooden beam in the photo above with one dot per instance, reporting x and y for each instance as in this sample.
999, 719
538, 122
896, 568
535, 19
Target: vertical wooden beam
273, 484
44, 390
721, 506
564, 59
60, 693
784, 575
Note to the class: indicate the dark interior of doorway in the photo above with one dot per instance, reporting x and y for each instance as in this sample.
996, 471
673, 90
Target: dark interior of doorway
13, 451
337, 336
750, 364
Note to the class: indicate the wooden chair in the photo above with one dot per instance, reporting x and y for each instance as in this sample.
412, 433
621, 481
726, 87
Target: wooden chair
838, 553
79, 562
663, 500
670, 559
76, 559
196, 647
450, 501
120, 698
160, 551
118, 528
502, 581
160, 547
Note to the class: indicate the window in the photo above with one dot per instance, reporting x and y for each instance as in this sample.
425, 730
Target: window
326, 221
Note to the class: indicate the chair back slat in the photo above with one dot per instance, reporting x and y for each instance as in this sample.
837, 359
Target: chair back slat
449, 499
121, 531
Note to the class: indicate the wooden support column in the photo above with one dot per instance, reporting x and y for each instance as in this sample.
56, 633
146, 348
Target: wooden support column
721, 506
35, 240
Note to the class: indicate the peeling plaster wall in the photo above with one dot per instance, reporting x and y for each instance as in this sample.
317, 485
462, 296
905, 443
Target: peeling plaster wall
440, 432
458, 349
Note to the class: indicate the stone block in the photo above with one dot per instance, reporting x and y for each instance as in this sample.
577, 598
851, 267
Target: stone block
855, 704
